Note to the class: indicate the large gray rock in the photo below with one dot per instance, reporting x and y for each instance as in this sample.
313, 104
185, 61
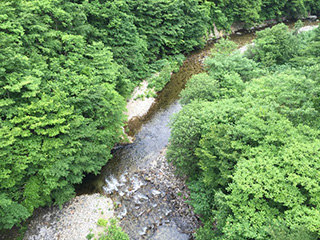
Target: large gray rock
312, 17
172, 232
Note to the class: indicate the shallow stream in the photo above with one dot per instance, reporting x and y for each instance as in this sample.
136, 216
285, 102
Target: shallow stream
149, 203
149, 199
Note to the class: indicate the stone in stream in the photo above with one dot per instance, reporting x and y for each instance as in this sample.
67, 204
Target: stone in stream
155, 192
112, 185
166, 232
143, 231
123, 212
312, 17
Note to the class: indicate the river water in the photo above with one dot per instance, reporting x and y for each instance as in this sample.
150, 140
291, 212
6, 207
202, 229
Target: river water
136, 178
149, 199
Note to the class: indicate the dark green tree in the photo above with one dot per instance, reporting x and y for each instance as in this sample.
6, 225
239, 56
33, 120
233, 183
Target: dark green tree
60, 113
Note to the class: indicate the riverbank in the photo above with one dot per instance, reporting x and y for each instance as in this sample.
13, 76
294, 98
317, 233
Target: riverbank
138, 105
160, 199
75, 220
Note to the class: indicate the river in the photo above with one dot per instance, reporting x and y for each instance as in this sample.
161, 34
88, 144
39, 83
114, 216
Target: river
134, 177
149, 199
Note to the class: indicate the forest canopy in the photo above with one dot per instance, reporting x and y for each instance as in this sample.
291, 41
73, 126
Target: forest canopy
248, 138
67, 67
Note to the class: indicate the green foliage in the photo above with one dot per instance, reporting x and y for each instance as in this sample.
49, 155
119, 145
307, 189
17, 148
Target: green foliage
102, 222
273, 9
159, 80
280, 230
252, 157
274, 45
297, 26
113, 23
308, 53
65, 70
201, 87
291, 93
205, 232
11, 212
276, 183
224, 61
111, 231
224, 46
192, 122
186, 132
225, 12
90, 236
170, 27
163, 69
221, 65
201, 198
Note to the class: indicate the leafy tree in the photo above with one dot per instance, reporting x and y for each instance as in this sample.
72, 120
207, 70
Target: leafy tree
226, 12
265, 142
170, 27
291, 94
190, 124
276, 184
113, 24
274, 45
252, 156
273, 9
60, 112
200, 87
225, 61
296, 8
11, 212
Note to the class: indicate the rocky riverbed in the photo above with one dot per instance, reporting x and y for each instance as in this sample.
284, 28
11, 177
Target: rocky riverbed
158, 211
74, 221
152, 202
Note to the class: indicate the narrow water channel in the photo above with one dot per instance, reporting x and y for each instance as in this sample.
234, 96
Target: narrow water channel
135, 177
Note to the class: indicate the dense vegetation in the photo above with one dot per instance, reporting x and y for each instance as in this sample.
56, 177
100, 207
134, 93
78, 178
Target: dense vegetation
225, 12
66, 68
248, 138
